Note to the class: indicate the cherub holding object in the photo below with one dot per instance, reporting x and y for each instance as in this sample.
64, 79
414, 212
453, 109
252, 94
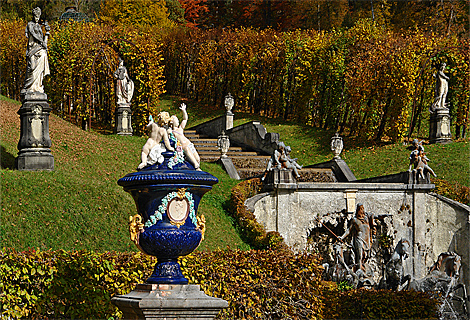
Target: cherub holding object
153, 148
188, 147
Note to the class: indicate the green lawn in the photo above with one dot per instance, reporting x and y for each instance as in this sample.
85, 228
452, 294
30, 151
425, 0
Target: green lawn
367, 159
80, 206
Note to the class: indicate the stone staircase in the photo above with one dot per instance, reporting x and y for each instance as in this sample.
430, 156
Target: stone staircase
249, 163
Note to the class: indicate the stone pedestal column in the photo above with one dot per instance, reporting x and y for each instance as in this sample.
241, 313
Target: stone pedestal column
439, 126
165, 301
123, 120
229, 102
228, 120
34, 145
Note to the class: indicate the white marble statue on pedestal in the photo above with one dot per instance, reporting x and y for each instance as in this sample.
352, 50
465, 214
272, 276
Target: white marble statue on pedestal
124, 84
36, 54
441, 89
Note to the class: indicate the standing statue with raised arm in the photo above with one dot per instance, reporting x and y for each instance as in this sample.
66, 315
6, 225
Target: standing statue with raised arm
36, 54
188, 147
362, 229
441, 89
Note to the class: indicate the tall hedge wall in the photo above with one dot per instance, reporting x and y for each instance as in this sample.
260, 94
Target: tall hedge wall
366, 80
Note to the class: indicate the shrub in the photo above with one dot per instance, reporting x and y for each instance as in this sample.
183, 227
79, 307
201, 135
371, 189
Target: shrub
258, 284
453, 191
76, 61
251, 229
378, 304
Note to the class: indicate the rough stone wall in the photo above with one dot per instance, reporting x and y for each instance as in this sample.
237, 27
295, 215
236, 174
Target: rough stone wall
433, 224
448, 229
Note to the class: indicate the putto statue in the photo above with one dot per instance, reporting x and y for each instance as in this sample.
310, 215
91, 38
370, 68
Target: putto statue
36, 54
441, 89
167, 135
124, 84
176, 128
288, 163
153, 148
418, 160
281, 160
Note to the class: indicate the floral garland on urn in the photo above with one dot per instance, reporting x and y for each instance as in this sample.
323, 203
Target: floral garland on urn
162, 208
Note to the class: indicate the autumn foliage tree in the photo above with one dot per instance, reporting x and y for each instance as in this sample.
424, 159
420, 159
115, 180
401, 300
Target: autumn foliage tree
367, 80
351, 66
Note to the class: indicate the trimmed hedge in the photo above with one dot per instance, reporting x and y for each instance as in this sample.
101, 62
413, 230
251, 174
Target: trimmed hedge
269, 284
379, 304
254, 233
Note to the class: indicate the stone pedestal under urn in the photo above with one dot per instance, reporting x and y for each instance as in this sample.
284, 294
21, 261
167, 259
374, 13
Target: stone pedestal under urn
167, 195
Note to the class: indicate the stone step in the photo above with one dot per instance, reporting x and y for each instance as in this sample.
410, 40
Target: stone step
234, 153
215, 149
192, 134
203, 142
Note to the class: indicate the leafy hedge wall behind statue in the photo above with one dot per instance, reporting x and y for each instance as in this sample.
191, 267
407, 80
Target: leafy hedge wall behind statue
72, 49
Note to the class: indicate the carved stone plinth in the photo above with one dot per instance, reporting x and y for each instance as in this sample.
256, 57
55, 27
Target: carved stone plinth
34, 145
164, 301
123, 120
415, 177
276, 176
439, 126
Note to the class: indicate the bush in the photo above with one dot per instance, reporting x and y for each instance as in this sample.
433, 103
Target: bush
378, 304
79, 58
453, 191
366, 80
251, 229
269, 284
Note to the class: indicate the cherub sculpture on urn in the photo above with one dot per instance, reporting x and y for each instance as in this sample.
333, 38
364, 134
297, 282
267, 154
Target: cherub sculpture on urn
167, 189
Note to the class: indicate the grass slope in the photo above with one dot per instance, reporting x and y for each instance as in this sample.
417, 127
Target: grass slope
367, 159
79, 205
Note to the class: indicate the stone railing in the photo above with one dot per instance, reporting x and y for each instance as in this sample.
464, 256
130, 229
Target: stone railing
251, 135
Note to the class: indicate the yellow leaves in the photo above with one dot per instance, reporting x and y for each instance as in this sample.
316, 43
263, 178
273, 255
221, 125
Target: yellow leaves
143, 13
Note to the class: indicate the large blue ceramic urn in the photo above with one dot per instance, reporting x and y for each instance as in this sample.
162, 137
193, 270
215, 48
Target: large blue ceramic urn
167, 196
